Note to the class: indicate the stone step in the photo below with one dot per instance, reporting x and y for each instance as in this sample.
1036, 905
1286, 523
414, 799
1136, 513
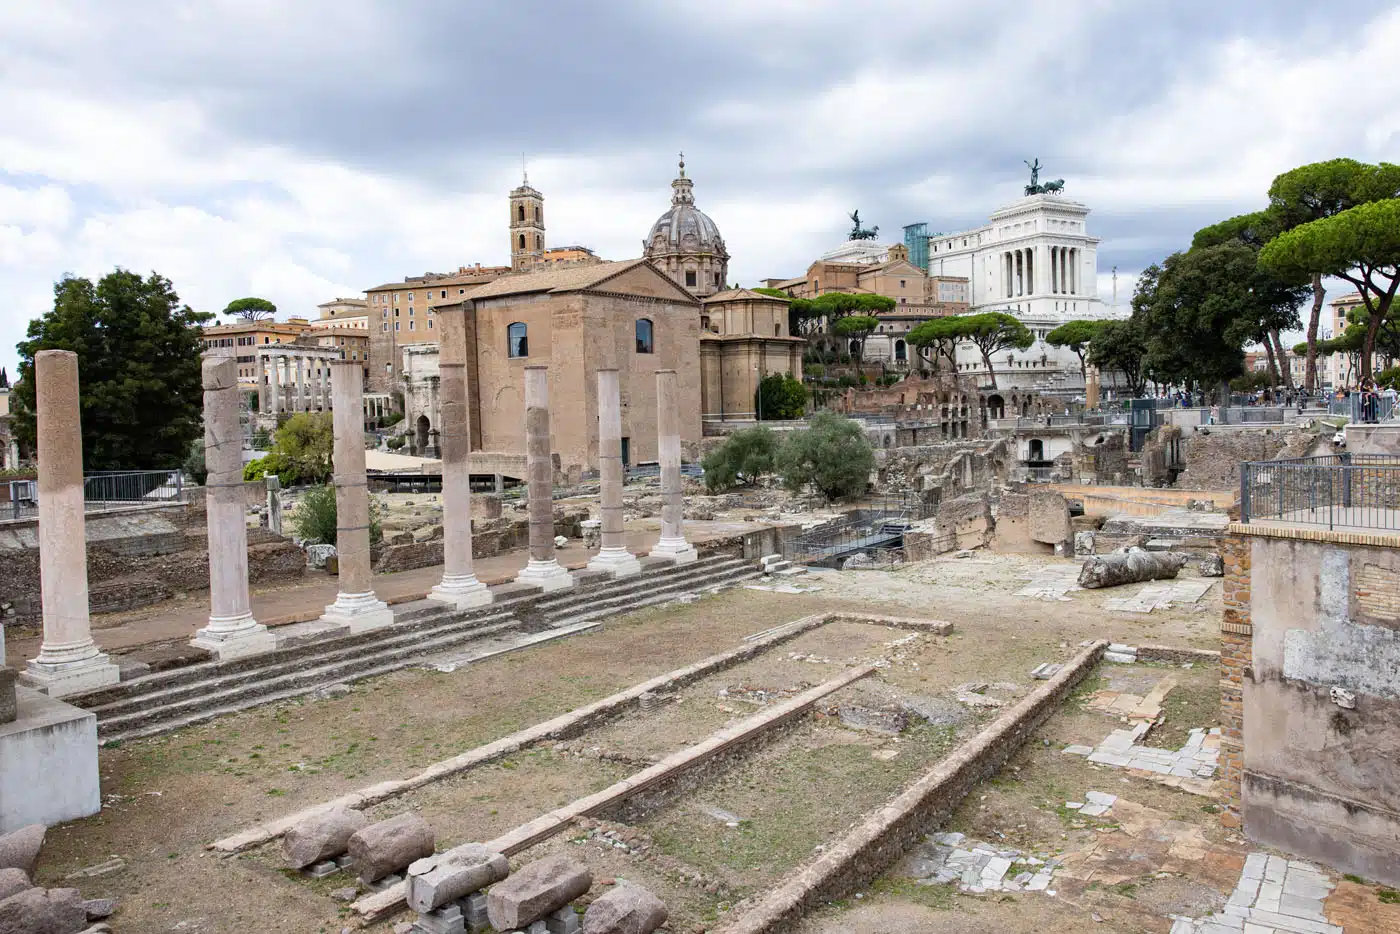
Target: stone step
777, 567
697, 577
645, 581
656, 596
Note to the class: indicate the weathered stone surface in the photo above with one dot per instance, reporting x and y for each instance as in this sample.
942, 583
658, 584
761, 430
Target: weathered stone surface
436, 880
321, 836
626, 908
12, 881
1129, 568
1049, 517
1211, 566
8, 707
966, 521
1083, 544
316, 555
540, 888
20, 849
888, 720
99, 908
43, 911
389, 846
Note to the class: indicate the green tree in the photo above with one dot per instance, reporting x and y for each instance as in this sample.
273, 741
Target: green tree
250, 309
857, 328
1318, 190
994, 331
307, 441
744, 456
816, 318
314, 518
1120, 346
832, 455
1076, 335
780, 396
138, 368
1360, 245
942, 336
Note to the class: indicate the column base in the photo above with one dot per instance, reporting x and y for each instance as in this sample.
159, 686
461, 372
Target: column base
63, 679
463, 592
359, 612
619, 562
546, 575
234, 638
677, 550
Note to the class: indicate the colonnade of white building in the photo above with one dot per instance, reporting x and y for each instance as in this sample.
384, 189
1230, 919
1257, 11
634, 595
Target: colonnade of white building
291, 380
1019, 268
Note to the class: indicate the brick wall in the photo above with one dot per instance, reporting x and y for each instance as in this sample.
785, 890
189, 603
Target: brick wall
1236, 657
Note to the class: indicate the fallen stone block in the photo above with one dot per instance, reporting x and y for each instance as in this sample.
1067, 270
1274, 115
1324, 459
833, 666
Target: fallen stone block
445, 920
43, 911
99, 908
13, 881
436, 880
626, 908
1049, 517
1083, 544
390, 846
321, 836
536, 891
563, 921
1129, 568
1121, 658
1211, 566
1046, 670
9, 707
19, 849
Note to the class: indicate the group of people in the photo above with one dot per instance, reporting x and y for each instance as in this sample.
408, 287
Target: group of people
1370, 407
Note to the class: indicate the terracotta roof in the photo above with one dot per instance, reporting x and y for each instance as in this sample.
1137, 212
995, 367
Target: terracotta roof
561, 279
731, 295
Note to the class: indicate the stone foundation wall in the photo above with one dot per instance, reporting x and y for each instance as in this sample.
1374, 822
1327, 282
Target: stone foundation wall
1236, 655
1212, 458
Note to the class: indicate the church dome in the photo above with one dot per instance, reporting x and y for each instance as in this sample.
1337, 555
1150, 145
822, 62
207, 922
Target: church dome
684, 228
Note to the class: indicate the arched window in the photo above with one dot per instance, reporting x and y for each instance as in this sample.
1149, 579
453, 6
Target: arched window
644, 337
517, 344
522, 241
539, 242
521, 209
900, 353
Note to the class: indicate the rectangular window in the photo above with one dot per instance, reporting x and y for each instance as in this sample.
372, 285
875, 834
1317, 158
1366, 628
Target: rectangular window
444, 293
396, 325
461, 291
396, 297
430, 324
410, 298
410, 325
690, 277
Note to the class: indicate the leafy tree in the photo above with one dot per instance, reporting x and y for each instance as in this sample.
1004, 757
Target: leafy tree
307, 441
1121, 346
194, 462
138, 351
775, 293
1076, 335
744, 456
942, 336
857, 328
314, 518
1323, 189
832, 455
250, 309
994, 331
816, 318
1360, 245
780, 396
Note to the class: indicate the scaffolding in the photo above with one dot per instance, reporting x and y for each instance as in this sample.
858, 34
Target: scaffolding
916, 240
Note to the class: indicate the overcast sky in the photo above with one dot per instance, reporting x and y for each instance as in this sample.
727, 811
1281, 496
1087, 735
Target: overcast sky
306, 149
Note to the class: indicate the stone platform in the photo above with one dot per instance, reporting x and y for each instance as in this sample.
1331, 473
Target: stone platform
48, 763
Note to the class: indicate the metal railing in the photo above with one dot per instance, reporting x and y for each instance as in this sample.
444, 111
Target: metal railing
694, 471
1348, 491
880, 524
1361, 410
103, 491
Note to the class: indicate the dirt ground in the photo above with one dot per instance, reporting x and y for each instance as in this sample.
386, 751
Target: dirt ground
167, 797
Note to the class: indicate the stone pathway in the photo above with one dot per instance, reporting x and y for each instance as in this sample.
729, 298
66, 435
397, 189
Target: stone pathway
1051, 582
1189, 768
1274, 896
1134, 708
1160, 595
976, 867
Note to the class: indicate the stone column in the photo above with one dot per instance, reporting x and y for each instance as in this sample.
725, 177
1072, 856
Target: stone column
232, 632
262, 384
613, 557
672, 545
69, 662
274, 385
355, 605
543, 570
1091, 387
299, 365
326, 385
459, 585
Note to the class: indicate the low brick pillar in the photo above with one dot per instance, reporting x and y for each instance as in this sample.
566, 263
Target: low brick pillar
1236, 657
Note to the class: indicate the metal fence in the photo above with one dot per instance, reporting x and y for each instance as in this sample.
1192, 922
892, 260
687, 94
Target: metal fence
1347, 491
877, 526
694, 471
1362, 411
102, 492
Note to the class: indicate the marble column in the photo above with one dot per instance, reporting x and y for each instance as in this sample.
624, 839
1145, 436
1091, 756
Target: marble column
1091, 387
459, 585
543, 570
325, 381
355, 605
274, 385
299, 363
69, 662
672, 545
232, 632
613, 557
262, 383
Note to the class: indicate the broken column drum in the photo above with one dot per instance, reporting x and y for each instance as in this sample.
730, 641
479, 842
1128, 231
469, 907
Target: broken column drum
613, 556
232, 632
69, 662
1129, 568
355, 605
459, 585
672, 544
543, 569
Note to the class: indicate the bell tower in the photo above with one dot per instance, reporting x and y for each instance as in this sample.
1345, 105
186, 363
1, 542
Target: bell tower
526, 227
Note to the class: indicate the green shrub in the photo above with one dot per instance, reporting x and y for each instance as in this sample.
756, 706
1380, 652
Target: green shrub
832, 455
314, 518
393, 418
396, 442
743, 457
194, 462
815, 370
780, 396
1389, 377
273, 463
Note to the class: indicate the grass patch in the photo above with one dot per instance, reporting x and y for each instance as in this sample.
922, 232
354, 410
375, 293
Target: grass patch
937, 897
1388, 896
1352, 877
